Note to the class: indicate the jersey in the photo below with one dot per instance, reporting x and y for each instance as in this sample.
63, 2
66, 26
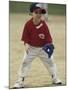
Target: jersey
36, 35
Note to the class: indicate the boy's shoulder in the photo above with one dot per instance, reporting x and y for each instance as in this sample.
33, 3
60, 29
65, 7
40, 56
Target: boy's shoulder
29, 22
43, 21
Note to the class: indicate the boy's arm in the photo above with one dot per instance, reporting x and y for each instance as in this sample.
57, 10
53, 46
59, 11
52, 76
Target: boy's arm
26, 47
26, 35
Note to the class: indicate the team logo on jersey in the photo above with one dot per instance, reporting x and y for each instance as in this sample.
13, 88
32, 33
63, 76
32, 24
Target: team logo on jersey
42, 36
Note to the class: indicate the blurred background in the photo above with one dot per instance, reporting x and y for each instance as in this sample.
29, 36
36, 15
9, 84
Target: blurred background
23, 7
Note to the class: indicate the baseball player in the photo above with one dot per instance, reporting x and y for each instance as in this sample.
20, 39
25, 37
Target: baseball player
38, 43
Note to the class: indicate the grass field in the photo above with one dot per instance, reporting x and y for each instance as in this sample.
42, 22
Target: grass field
38, 76
23, 7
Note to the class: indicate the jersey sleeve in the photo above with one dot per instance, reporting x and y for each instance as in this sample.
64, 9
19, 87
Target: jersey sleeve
26, 35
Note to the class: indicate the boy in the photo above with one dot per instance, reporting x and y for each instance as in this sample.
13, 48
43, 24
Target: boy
38, 41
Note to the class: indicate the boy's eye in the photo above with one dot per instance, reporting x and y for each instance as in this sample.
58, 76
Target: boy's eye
38, 12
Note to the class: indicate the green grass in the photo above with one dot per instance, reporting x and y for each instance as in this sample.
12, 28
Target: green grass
23, 7
57, 9
19, 7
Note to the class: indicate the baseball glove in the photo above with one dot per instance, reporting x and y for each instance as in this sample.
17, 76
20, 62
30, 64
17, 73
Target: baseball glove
48, 48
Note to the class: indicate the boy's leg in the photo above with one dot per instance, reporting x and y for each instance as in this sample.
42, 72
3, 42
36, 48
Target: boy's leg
23, 71
51, 66
25, 67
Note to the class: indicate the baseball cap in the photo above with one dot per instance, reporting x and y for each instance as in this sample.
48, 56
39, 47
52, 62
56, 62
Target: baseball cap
35, 6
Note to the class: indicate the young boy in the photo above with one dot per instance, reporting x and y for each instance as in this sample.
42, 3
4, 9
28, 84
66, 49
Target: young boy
38, 41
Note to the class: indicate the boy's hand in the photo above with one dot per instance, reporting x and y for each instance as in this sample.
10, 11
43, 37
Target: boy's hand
48, 48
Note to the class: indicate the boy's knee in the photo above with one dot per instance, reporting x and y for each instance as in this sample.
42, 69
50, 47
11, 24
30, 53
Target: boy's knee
25, 63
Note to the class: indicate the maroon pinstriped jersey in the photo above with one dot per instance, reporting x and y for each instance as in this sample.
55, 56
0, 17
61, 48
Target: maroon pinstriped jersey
36, 35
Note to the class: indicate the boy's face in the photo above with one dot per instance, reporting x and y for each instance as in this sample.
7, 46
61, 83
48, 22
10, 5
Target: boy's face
37, 14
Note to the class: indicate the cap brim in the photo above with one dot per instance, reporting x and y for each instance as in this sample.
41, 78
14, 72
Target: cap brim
42, 10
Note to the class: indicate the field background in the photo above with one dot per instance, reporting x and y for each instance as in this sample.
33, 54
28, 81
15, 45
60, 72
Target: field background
38, 75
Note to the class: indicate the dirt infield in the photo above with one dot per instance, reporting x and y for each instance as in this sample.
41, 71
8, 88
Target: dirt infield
38, 76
